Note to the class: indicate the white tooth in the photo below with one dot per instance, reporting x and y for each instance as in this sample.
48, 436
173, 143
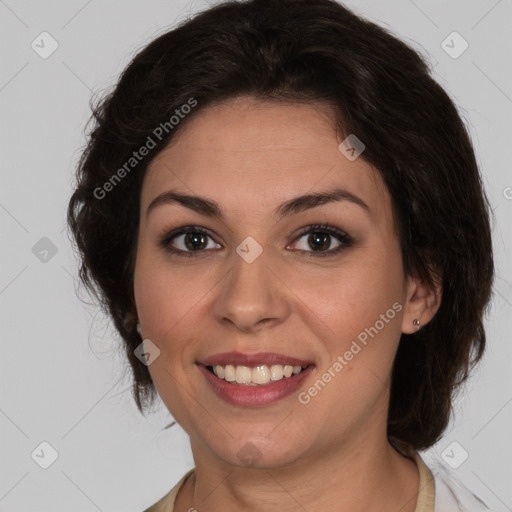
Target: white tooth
260, 375
243, 375
288, 370
219, 371
276, 372
229, 373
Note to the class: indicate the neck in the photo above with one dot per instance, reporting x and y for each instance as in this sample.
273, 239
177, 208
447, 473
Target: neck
357, 477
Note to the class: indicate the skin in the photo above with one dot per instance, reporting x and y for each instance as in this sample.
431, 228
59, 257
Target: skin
250, 156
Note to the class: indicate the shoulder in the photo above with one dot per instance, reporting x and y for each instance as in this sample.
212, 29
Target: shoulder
451, 495
440, 490
166, 503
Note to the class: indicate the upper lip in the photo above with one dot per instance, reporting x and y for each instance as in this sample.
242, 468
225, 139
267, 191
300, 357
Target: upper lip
262, 358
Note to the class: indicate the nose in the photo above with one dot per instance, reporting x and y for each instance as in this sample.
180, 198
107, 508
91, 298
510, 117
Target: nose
252, 296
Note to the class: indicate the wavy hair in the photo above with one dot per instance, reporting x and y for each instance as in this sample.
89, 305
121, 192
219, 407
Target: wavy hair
380, 89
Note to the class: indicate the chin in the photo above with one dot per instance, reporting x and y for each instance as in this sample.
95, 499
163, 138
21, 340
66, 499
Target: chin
259, 453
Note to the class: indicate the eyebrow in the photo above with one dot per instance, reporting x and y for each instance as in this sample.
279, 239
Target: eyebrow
298, 204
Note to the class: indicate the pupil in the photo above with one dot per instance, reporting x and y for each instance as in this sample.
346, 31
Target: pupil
321, 239
194, 241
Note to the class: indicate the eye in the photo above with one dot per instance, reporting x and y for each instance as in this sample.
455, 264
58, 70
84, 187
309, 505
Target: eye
185, 241
322, 239
318, 240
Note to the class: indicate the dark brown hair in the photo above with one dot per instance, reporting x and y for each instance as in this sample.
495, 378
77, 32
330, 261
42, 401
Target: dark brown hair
379, 89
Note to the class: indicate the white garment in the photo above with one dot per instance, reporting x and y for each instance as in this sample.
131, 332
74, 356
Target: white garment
450, 494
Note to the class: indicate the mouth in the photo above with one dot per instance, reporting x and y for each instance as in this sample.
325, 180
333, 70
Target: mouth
254, 380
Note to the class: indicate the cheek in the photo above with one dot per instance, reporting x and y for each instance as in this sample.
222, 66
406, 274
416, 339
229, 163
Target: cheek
166, 302
164, 296
358, 313
360, 297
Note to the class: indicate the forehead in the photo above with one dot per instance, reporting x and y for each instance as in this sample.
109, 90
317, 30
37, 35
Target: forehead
251, 153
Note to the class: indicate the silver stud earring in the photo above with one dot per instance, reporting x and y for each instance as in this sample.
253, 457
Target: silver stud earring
139, 329
416, 324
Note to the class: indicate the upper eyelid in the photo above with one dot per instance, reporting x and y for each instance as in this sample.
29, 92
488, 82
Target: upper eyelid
330, 229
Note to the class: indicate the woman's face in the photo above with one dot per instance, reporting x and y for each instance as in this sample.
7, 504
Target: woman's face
255, 291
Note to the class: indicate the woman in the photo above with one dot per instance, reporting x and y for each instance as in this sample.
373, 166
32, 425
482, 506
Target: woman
282, 213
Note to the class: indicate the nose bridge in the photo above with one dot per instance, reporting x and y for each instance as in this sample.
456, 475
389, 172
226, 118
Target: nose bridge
251, 294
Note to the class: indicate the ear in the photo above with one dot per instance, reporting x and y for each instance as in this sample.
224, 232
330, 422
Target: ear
421, 303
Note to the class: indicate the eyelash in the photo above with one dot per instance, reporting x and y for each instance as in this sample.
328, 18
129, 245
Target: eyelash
342, 237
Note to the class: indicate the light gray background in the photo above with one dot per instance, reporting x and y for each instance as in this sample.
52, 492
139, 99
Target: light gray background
63, 377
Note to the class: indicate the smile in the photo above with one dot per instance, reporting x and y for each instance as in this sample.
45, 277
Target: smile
259, 375
252, 380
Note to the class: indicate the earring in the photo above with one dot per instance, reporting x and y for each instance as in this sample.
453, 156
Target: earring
139, 329
416, 324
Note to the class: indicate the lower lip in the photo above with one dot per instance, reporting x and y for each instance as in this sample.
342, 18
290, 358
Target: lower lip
253, 396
